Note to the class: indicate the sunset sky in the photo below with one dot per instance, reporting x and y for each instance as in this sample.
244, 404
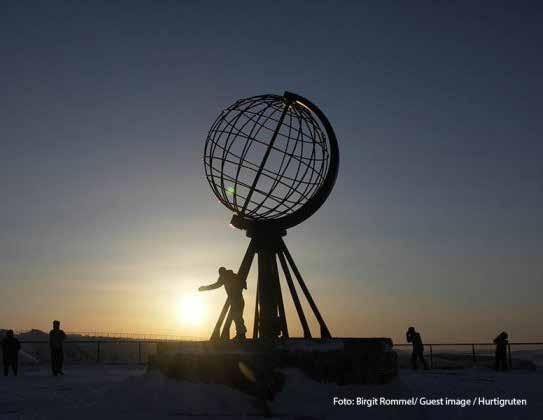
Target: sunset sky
107, 222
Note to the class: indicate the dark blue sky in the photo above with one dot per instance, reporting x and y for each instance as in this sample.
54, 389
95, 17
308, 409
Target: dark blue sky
436, 216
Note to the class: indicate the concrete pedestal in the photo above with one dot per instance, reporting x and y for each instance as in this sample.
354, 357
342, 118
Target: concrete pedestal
253, 366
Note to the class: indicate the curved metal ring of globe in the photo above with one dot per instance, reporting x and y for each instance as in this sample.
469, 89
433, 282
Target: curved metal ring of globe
272, 160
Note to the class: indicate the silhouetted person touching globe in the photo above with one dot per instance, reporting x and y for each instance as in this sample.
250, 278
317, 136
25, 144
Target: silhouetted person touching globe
501, 342
234, 289
418, 348
10, 353
56, 344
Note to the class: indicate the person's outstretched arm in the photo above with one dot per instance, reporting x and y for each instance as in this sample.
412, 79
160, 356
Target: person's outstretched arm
213, 286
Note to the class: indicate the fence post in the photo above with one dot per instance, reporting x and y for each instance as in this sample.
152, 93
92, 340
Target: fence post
431, 358
473, 353
510, 358
97, 351
139, 352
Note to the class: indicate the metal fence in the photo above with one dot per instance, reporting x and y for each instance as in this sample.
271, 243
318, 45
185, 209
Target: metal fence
111, 350
101, 350
479, 353
98, 335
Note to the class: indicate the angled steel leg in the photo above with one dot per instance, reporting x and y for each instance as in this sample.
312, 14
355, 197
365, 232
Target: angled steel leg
267, 308
245, 266
256, 319
325, 333
294, 294
217, 330
225, 334
279, 299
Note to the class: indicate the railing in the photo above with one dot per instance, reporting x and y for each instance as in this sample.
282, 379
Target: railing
472, 348
140, 343
138, 336
126, 335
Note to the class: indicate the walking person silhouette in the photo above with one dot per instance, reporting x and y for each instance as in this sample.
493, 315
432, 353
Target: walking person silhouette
56, 344
418, 348
234, 289
10, 353
501, 341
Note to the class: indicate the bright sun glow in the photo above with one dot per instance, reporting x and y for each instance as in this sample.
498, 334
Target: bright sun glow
191, 311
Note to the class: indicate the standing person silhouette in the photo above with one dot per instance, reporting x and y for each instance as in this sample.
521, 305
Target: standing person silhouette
234, 289
56, 344
10, 353
501, 342
418, 348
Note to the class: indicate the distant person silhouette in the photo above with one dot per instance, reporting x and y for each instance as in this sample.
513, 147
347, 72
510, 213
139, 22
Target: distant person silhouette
56, 344
234, 289
501, 342
10, 353
418, 348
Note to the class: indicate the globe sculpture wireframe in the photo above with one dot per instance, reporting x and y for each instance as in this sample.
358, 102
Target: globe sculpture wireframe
273, 161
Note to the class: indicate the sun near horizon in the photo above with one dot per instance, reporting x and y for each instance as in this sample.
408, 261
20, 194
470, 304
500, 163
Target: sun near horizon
192, 311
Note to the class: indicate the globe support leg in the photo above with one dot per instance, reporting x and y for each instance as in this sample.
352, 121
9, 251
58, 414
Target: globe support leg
217, 330
279, 298
294, 294
256, 318
271, 312
325, 333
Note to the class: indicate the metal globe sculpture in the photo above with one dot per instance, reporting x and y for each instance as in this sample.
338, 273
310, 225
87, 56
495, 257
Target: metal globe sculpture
273, 161
271, 158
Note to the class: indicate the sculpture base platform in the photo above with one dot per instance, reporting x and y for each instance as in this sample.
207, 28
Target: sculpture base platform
253, 366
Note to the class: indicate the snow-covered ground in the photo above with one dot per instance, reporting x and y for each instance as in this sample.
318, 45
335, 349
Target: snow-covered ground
124, 392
